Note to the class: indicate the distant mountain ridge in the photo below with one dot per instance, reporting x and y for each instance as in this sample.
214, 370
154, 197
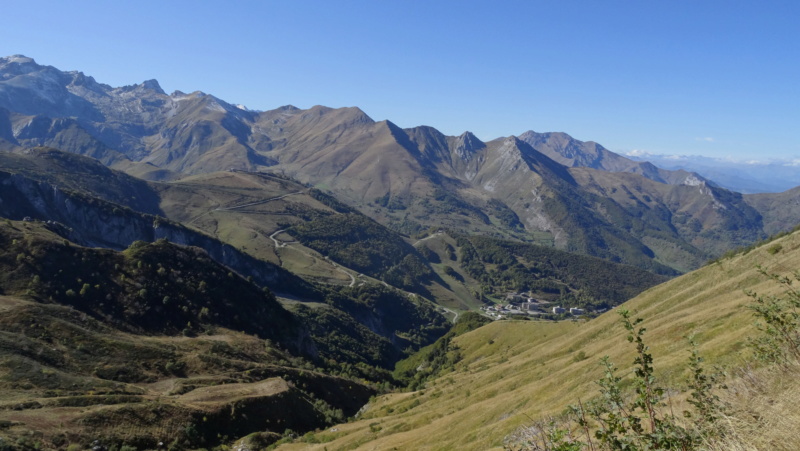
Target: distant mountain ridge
541, 187
139, 121
574, 153
743, 176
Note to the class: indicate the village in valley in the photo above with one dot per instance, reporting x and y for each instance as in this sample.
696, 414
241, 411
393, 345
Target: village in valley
522, 304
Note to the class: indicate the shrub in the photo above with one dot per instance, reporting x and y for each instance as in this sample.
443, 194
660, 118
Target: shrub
579, 356
774, 249
778, 320
623, 422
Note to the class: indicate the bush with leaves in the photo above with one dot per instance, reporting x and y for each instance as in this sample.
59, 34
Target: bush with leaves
641, 421
779, 320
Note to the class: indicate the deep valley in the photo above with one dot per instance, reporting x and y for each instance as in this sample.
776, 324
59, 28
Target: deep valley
177, 272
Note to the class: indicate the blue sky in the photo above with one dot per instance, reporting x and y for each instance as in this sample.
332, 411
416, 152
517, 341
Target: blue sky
714, 78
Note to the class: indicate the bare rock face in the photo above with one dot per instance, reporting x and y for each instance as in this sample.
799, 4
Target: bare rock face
466, 145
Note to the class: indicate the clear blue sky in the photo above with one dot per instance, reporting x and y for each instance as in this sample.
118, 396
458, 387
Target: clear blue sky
715, 78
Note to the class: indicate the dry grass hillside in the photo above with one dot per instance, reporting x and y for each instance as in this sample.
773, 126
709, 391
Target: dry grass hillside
513, 372
246, 210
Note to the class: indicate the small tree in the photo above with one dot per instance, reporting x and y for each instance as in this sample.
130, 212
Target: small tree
779, 320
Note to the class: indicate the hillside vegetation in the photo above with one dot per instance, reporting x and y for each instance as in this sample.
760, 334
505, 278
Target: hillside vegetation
240, 215
480, 270
509, 373
271, 271
169, 289
578, 280
149, 288
134, 347
153, 344
371, 324
365, 246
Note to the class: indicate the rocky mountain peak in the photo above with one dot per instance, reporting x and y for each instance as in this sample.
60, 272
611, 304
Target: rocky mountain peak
559, 144
358, 116
511, 141
693, 180
531, 136
15, 65
466, 144
152, 85
80, 79
337, 117
470, 141
180, 95
20, 60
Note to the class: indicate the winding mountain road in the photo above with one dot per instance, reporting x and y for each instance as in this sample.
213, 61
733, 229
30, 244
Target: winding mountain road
275, 240
455, 313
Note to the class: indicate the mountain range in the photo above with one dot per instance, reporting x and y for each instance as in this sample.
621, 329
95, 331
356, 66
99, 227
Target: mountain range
172, 261
546, 188
751, 176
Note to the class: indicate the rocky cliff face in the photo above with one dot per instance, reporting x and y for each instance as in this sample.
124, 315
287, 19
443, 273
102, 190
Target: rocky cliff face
93, 222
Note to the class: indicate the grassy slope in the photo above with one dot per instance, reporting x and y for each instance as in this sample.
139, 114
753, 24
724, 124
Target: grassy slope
236, 207
246, 210
514, 371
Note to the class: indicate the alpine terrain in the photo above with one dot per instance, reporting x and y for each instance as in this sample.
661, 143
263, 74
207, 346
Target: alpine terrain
177, 272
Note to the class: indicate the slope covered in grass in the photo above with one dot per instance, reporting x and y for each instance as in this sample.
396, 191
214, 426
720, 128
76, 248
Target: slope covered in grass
511, 372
